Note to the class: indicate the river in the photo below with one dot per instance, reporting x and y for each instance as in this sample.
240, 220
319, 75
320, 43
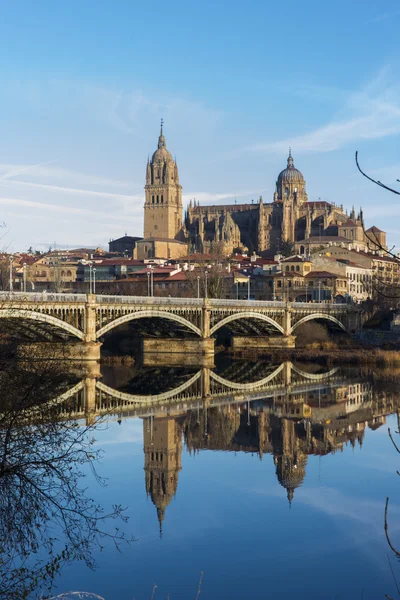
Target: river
246, 480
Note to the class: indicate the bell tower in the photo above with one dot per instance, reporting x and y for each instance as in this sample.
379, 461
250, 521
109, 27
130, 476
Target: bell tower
162, 440
163, 194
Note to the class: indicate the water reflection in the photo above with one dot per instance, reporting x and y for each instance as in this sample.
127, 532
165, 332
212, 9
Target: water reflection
282, 413
46, 518
289, 411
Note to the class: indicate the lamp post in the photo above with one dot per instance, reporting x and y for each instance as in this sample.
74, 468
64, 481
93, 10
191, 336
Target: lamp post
198, 286
152, 281
24, 276
248, 288
206, 285
94, 281
306, 292
319, 291
148, 283
237, 290
90, 276
11, 273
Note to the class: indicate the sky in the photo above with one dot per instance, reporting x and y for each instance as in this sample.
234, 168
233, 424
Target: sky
84, 85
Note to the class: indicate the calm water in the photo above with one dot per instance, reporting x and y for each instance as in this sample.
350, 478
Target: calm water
270, 480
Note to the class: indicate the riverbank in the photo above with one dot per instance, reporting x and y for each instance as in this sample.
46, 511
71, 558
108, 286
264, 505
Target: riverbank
329, 356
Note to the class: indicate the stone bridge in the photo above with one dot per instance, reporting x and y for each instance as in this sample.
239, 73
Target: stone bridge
284, 386
89, 318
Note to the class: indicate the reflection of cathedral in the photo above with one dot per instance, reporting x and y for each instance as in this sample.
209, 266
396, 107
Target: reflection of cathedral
162, 450
290, 432
260, 226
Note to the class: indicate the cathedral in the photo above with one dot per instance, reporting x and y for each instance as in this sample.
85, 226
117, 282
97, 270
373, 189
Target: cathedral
290, 220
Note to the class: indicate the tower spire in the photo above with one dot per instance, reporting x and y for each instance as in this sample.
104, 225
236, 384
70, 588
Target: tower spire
162, 123
290, 162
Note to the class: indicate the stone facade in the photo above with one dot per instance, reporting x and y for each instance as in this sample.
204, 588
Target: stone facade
163, 195
257, 227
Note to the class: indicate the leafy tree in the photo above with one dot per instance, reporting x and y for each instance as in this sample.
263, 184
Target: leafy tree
286, 248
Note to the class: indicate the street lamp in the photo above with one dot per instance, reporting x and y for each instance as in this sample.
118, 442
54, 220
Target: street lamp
248, 288
237, 290
206, 286
94, 281
90, 276
198, 286
11, 273
150, 281
306, 292
319, 291
24, 276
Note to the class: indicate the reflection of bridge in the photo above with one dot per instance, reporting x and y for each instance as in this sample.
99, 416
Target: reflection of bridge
287, 382
89, 318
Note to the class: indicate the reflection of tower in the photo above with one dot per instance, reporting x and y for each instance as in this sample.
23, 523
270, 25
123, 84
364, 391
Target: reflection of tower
291, 461
162, 450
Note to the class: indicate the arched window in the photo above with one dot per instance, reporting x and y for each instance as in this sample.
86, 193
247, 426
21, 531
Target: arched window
152, 199
157, 198
302, 250
69, 274
287, 267
297, 268
62, 273
162, 199
292, 268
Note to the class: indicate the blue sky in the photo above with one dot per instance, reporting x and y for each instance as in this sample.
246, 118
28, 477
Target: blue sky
84, 85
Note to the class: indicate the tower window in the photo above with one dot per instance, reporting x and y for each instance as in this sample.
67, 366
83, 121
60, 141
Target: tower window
152, 199
162, 199
157, 198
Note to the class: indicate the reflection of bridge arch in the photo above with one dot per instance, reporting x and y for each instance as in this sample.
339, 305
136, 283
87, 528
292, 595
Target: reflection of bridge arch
70, 393
147, 314
131, 398
247, 386
317, 315
10, 313
315, 376
248, 314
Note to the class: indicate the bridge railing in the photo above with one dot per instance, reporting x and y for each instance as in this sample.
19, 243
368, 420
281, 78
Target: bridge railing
316, 306
41, 297
152, 300
165, 301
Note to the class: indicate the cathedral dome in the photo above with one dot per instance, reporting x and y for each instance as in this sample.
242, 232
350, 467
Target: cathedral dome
290, 174
161, 154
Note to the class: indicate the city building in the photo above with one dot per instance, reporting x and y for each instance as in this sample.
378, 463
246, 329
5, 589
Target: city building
124, 245
290, 219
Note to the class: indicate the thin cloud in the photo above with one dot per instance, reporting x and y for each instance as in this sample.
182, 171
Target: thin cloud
42, 170
372, 113
82, 192
215, 198
53, 208
383, 17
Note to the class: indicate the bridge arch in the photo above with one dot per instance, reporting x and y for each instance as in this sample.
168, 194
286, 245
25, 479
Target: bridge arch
315, 376
247, 386
243, 315
314, 316
148, 314
139, 399
12, 313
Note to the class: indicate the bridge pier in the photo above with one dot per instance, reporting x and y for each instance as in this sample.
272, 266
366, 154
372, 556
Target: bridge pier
79, 351
240, 343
